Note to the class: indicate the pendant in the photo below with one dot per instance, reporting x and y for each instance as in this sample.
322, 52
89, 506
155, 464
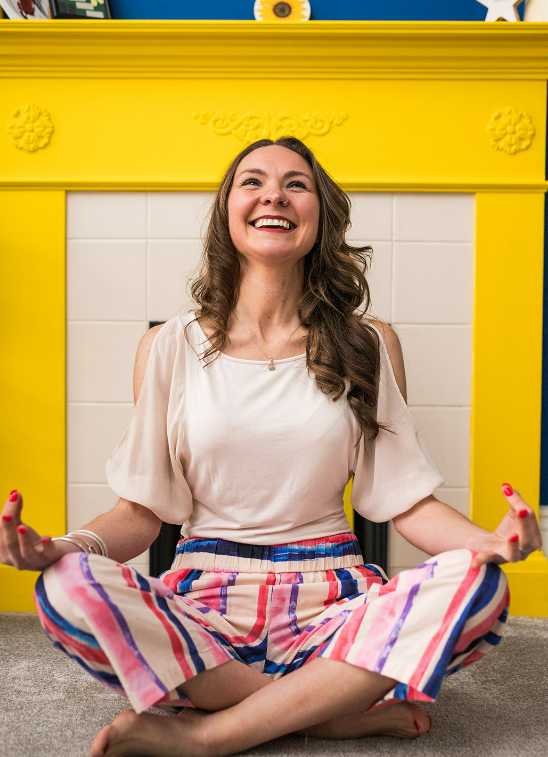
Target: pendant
271, 367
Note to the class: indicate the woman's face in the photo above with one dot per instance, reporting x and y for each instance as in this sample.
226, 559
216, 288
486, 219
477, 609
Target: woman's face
264, 182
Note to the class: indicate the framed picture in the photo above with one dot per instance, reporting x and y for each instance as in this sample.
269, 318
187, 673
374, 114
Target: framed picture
31, 9
80, 9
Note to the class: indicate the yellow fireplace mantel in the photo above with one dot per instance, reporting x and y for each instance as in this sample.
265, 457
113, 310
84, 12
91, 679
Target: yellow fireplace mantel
164, 105
246, 49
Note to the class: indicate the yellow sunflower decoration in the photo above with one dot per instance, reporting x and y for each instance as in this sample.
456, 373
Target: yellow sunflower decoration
281, 10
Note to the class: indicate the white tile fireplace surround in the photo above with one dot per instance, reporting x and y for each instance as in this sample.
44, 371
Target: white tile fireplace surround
130, 254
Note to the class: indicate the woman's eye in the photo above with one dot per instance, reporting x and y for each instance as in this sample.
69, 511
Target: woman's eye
299, 184
248, 181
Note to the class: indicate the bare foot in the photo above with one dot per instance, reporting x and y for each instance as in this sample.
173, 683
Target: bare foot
147, 735
401, 719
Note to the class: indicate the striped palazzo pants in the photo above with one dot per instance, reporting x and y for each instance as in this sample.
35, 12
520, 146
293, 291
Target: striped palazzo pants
274, 608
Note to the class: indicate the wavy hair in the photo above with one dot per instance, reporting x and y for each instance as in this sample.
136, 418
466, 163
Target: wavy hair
342, 350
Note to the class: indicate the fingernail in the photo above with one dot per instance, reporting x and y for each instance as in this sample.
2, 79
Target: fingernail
417, 726
522, 513
13, 491
46, 539
21, 530
13, 496
514, 538
507, 490
7, 518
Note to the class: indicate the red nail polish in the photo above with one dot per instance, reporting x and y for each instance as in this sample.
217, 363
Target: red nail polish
22, 530
514, 538
417, 726
13, 496
507, 490
13, 491
7, 518
522, 513
46, 539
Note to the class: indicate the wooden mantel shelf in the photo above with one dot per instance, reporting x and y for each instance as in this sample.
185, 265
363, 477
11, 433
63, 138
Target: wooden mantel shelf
247, 49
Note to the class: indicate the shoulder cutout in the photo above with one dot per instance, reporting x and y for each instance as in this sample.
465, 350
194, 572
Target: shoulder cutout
395, 354
141, 359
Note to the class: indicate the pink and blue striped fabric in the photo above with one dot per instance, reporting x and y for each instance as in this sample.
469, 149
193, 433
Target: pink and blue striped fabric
273, 608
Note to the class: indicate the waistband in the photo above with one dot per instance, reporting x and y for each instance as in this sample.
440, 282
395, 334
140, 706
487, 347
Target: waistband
327, 553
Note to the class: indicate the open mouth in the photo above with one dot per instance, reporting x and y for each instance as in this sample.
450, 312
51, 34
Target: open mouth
277, 223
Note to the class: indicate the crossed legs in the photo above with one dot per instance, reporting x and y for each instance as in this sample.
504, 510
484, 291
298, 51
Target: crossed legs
240, 708
237, 707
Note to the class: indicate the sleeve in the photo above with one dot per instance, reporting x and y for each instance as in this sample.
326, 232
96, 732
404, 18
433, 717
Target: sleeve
395, 471
144, 467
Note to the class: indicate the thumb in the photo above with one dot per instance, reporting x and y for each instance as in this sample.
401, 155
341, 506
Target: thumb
479, 559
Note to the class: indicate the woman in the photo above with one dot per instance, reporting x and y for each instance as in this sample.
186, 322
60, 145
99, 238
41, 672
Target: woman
251, 415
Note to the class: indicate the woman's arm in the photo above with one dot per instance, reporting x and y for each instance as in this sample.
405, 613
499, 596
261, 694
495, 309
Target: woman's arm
435, 527
127, 530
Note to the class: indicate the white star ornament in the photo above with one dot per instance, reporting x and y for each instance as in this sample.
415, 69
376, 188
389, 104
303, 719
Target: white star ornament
499, 10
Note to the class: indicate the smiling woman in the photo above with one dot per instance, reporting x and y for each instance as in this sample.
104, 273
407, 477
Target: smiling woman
268, 606
278, 229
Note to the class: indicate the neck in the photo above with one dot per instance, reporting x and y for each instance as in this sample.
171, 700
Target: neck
269, 296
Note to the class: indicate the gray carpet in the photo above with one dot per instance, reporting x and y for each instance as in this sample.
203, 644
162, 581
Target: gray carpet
497, 707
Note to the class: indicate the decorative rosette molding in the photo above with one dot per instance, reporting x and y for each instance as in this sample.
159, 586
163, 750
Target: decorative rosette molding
30, 128
511, 130
251, 126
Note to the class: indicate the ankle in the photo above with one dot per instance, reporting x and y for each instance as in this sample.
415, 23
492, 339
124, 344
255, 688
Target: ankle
216, 734
209, 736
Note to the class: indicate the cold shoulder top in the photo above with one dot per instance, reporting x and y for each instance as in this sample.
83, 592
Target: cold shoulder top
234, 451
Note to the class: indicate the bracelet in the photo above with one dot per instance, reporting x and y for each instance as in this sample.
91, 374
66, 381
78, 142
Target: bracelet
95, 537
83, 546
98, 546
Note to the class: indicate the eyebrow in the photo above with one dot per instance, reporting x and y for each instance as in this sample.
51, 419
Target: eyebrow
287, 175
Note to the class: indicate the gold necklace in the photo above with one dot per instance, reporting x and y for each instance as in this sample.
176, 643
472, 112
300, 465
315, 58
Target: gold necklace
271, 367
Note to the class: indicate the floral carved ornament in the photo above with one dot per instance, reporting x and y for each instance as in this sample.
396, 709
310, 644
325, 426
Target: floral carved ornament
30, 128
253, 125
511, 130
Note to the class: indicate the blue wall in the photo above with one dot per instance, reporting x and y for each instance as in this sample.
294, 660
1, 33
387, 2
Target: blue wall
322, 10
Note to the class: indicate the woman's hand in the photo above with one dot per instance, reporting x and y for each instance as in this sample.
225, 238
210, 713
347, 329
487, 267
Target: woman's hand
514, 539
20, 545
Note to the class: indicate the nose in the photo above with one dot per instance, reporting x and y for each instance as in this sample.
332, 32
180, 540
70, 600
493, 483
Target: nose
274, 196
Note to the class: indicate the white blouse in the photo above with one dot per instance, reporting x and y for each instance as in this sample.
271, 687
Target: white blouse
238, 452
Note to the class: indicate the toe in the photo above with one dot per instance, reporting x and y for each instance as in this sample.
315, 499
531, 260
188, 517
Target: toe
422, 722
100, 743
109, 738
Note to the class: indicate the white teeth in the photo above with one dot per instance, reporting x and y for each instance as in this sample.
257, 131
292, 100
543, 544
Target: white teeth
272, 222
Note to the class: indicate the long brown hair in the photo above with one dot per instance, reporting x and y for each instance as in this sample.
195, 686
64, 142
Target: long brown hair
341, 347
